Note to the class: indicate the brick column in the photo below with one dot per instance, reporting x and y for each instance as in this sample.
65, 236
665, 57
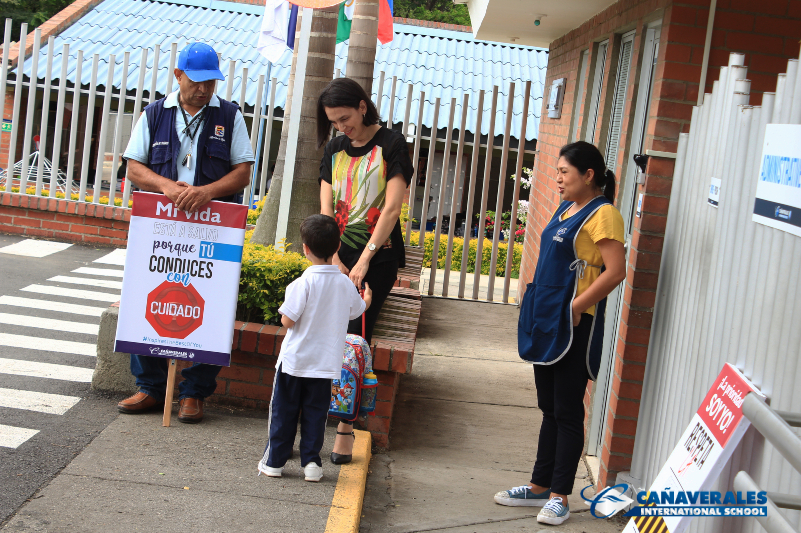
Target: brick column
5, 137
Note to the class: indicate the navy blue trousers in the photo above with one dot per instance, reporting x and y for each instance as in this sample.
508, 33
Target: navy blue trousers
294, 398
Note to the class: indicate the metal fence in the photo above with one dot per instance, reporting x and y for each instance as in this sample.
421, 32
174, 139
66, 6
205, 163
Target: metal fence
99, 94
453, 181
40, 166
728, 289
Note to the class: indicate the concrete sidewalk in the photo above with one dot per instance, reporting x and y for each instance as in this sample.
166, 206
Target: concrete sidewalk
466, 427
453, 285
139, 476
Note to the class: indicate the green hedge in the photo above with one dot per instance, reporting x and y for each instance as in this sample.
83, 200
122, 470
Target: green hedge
266, 272
456, 260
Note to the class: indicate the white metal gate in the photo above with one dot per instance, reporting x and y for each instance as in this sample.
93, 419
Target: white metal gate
728, 288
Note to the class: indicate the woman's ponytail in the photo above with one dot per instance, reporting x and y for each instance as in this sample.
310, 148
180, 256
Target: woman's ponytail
585, 156
609, 185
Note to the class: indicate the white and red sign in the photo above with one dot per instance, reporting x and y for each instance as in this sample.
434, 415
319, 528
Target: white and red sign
706, 445
181, 280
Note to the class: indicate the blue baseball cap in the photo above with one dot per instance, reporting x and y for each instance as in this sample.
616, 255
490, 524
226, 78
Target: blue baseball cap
200, 63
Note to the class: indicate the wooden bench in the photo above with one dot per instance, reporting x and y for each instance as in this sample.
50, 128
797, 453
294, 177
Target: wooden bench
409, 276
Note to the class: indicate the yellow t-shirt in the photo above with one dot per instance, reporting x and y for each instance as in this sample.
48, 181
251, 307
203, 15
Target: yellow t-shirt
606, 223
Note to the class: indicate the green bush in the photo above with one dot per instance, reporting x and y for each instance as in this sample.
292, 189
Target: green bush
456, 260
253, 214
266, 272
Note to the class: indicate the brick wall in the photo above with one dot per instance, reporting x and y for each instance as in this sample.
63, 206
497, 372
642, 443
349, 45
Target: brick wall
64, 220
5, 137
768, 32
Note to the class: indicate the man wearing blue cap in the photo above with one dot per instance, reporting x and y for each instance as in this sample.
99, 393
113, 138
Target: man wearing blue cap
193, 147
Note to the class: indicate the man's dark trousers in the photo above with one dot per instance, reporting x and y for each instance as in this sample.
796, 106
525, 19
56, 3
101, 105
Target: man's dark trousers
200, 380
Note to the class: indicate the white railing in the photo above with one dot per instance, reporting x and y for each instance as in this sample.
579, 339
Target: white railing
113, 105
114, 102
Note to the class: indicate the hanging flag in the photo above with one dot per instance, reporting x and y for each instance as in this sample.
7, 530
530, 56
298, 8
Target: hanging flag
385, 27
274, 31
293, 23
279, 22
345, 20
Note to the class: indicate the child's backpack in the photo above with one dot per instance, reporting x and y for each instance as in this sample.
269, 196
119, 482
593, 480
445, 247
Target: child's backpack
354, 392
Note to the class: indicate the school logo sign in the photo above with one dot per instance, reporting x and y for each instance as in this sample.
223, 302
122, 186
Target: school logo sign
609, 501
173, 310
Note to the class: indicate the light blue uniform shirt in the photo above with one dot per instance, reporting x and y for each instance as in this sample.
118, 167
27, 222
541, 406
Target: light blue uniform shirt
139, 145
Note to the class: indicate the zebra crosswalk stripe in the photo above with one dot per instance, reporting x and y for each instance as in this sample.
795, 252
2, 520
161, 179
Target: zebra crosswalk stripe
102, 283
99, 272
48, 323
72, 293
56, 404
34, 248
13, 437
47, 305
117, 257
47, 345
35, 369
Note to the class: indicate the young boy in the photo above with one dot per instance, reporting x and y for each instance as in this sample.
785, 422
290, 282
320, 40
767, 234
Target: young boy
316, 312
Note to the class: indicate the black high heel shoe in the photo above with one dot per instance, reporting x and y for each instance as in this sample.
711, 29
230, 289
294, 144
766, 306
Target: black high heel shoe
341, 459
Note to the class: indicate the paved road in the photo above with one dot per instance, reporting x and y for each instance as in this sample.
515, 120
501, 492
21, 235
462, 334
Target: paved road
51, 298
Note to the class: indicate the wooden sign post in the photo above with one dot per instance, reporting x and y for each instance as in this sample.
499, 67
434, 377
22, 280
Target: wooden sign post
168, 396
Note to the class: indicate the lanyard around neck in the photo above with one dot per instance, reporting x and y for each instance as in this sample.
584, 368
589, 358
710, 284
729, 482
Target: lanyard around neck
196, 121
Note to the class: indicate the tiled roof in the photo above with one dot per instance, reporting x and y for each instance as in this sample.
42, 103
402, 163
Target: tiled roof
443, 63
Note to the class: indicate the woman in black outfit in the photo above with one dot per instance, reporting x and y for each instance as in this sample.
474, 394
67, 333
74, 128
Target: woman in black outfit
364, 174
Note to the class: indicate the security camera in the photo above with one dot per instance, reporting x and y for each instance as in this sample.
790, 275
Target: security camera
641, 160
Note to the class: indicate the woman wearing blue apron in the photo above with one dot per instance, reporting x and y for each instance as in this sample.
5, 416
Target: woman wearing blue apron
561, 324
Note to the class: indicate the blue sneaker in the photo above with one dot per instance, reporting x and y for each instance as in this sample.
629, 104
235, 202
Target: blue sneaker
522, 496
555, 512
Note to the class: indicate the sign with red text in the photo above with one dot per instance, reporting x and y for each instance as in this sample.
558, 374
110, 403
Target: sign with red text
702, 451
181, 280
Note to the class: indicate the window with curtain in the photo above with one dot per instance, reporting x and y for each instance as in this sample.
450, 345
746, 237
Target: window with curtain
597, 85
574, 130
619, 100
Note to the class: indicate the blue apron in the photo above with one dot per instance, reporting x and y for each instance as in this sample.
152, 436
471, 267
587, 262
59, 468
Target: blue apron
545, 327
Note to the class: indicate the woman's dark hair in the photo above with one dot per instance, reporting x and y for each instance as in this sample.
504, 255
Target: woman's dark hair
321, 234
585, 156
342, 92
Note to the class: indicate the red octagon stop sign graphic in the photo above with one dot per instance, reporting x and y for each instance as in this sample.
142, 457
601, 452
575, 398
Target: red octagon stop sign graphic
173, 310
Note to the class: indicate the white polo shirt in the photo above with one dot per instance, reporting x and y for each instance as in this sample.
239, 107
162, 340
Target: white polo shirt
321, 302
139, 145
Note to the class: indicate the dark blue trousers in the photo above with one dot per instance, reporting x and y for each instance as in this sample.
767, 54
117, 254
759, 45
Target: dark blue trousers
200, 380
294, 398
